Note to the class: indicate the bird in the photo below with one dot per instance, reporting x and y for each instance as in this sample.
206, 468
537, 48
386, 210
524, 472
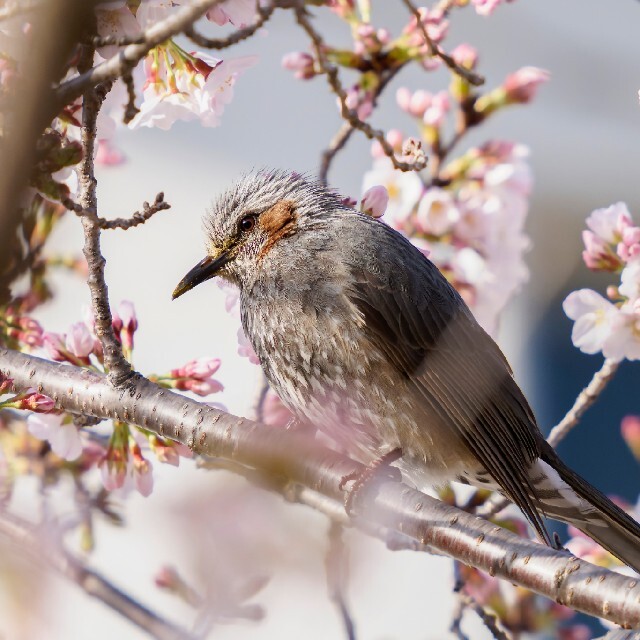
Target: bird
361, 335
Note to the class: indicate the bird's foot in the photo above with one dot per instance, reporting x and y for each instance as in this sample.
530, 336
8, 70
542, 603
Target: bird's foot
379, 469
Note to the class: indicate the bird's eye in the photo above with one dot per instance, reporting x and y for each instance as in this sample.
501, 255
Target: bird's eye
247, 224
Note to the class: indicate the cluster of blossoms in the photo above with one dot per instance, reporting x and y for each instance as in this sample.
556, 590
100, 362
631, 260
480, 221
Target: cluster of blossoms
612, 326
472, 227
122, 462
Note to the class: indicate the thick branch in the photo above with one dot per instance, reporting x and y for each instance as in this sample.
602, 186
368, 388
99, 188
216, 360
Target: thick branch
128, 58
91, 582
556, 574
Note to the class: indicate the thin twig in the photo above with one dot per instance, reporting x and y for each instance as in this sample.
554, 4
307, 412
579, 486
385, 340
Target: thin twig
138, 217
344, 133
130, 110
350, 115
262, 13
470, 76
126, 59
91, 582
337, 575
490, 620
114, 360
586, 398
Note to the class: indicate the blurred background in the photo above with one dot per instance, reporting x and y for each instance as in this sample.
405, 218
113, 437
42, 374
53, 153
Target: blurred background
582, 130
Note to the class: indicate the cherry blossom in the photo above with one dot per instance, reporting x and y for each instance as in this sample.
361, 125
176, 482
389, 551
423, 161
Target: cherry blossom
302, 64
79, 340
593, 316
63, 436
239, 13
374, 201
404, 190
115, 19
437, 212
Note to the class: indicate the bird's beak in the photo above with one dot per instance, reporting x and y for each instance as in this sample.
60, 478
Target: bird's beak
204, 270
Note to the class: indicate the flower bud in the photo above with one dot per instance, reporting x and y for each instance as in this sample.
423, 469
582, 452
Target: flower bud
374, 201
302, 64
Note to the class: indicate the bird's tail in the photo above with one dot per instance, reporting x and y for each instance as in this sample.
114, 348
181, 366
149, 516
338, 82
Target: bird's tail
563, 495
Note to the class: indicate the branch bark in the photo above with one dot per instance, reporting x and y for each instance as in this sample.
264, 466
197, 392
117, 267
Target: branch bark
295, 456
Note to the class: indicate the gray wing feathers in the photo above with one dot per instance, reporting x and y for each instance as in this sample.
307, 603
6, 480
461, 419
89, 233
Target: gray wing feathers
418, 320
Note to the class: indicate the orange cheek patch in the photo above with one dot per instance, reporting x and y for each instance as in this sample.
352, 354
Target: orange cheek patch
278, 222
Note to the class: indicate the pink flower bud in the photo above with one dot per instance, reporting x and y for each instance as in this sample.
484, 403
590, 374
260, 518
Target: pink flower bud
108, 155
200, 369
125, 323
302, 64
630, 429
37, 402
142, 472
374, 201
415, 104
201, 387
436, 111
168, 578
598, 254
629, 248
79, 341
465, 55
485, 7
5, 383
521, 86
113, 470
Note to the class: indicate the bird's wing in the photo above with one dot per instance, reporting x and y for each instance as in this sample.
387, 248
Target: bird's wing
458, 373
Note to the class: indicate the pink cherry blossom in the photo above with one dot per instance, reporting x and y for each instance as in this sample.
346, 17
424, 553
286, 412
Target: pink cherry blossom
152, 11
113, 472
54, 343
142, 473
200, 369
630, 430
79, 340
404, 189
598, 254
245, 348
593, 316
63, 438
629, 247
115, 19
125, 323
465, 55
624, 341
437, 212
302, 64
6, 383
522, 85
610, 222
486, 7
38, 402
437, 109
630, 282
374, 201
107, 154
359, 101
416, 103
394, 137
240, 13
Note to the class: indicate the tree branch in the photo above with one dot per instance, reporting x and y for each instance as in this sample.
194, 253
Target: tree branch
297, 457
263, 14
468, 75
586, 398
91, 582
114, 360
125, 60
349, 114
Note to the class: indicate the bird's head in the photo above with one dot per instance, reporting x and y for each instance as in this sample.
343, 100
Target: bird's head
258, 215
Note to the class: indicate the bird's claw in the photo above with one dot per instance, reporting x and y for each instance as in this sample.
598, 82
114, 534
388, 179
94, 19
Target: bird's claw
378, 470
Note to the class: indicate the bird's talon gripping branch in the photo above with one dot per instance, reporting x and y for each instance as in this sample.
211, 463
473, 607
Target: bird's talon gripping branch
378, 470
